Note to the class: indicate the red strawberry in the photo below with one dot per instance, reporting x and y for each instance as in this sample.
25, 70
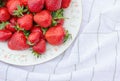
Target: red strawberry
35, 5
4, 14
44, 18
55, 35
18, 41
13, 20
24, 2
60, 21
12, 5
11, 27
5, 35
36, 29
40, 48
66, 3
25, 22
53, 5
34, 38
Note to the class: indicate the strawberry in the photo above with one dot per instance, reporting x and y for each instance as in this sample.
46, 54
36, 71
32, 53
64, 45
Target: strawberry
60, 21
13, 20
34, 38
11, 27
24, 2
40, 48
44, 18
53, 5
5, 35
36, 29
4, 14
25, 22
35, 5
55, 35
18, 41
65, 3
12, 5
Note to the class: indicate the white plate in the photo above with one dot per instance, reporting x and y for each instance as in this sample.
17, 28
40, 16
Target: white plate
73, 16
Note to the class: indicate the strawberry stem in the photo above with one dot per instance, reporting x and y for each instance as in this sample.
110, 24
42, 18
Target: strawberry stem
29, 43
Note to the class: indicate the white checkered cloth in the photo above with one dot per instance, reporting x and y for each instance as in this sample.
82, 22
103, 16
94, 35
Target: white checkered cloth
94, 56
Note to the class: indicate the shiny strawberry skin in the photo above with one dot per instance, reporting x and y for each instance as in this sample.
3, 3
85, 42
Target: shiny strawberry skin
12, 5
36, 29
53, 5
35, 5
55, 35
13, 20
65, 3
34, 38
4, 14
40, 48
24, 2
44, 18
18, 41
25, 22
5, 35
11, 27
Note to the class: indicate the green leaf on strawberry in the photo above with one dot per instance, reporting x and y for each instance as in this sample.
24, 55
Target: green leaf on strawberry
44, 30
20, 10
26, 33
3, 24
36, 54
67, 36
56, 15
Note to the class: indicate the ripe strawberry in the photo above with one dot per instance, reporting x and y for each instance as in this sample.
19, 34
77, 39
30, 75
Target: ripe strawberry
53, 5
44, 18
13, 20
55, 35
4, 14
12, 5
36, 29
11, 27
40, 48
65, 3
60, 21
18, 41
35, 5
5, 35
24, 2
34, 38
25, 22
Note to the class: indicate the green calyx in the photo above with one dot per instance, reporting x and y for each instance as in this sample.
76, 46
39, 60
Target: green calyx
44, 30
56, 15
20, 10
67, 36
26, 33
36, 54
3, 25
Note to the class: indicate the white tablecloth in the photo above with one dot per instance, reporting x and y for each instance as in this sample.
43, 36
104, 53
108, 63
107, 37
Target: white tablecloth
94, 56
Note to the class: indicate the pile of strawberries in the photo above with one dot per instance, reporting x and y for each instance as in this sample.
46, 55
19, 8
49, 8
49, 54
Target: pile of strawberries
32, 23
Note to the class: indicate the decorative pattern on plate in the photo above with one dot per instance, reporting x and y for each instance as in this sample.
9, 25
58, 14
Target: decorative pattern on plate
73, 16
